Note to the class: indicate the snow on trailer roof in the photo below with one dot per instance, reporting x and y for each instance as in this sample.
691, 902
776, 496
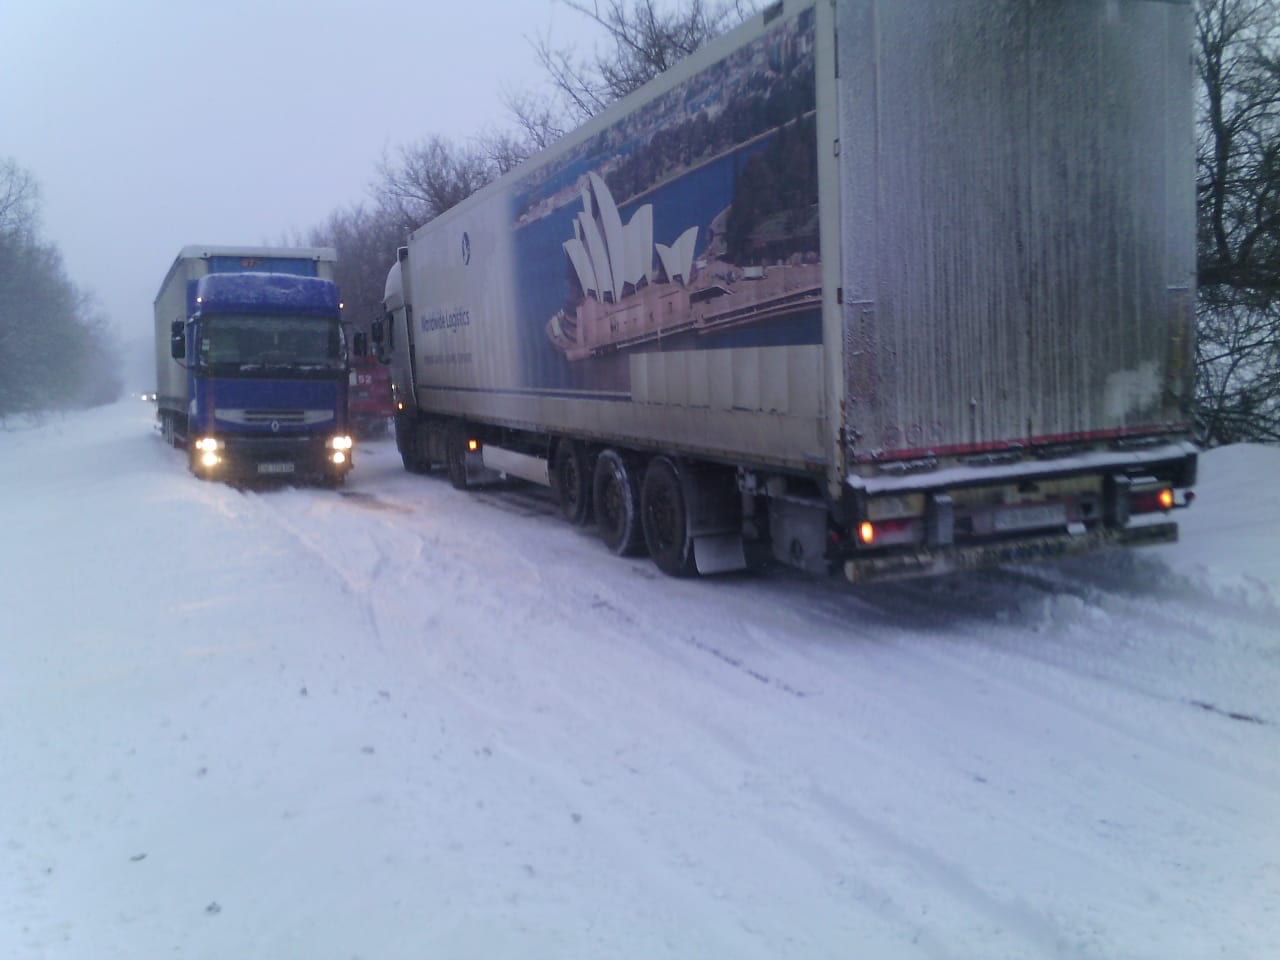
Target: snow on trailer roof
267, 293
200, 251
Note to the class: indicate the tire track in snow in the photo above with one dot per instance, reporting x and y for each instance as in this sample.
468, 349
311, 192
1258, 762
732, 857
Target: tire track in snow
1039, 935
278, 513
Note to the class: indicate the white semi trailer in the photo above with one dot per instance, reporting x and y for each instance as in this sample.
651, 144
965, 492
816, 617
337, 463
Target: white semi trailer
889, 287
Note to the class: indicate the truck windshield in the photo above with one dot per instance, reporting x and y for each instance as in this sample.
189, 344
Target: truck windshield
257, 340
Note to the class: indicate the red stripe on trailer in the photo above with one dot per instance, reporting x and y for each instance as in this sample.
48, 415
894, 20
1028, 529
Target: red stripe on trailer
1000, 446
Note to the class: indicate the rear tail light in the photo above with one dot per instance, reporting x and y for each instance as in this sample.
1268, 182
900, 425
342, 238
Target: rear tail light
888, 533
1151, 501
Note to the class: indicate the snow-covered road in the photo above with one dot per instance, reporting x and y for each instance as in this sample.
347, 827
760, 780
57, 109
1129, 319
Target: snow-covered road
402, 721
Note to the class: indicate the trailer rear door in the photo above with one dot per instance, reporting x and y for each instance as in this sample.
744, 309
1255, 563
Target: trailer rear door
1017, 201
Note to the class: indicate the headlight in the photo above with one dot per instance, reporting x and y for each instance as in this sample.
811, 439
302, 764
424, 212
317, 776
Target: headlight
208, 444
340, 443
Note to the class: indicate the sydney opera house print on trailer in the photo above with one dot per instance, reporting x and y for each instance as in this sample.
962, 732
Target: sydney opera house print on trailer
716, 243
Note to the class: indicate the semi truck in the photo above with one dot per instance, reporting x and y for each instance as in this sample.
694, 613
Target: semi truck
251, 363
880, 287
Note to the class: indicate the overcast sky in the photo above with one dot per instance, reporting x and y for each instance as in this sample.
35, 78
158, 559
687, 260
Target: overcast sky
151, 125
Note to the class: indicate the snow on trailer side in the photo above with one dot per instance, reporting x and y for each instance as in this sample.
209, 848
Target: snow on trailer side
892, 288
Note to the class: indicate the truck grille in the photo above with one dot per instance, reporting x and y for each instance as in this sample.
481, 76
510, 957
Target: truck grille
265, 417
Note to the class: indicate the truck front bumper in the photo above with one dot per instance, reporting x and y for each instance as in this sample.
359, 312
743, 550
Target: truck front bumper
926, 561
249, 459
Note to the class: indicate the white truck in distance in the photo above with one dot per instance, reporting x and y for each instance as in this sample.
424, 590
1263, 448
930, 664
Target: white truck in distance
890, 288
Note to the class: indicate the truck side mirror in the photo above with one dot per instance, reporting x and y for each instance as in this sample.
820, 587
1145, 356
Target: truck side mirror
376, 332
177, 340
360, 344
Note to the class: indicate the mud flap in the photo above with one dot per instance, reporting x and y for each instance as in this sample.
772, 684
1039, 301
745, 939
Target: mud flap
719, 553
714, 511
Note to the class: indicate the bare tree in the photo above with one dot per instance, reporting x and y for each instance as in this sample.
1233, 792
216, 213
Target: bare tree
415, 184
425, 179
539, 124
366, 239
57, 350
1238, 174
643, 39
420, 181
19, 200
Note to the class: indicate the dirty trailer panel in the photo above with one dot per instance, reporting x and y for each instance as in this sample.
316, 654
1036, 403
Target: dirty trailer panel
1017, 228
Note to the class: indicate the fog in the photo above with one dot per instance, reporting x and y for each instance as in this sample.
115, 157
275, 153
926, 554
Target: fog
153, 125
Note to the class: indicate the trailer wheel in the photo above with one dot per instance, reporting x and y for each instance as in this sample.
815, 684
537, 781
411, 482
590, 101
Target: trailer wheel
615, 494
456, 452
571, 480
665, 519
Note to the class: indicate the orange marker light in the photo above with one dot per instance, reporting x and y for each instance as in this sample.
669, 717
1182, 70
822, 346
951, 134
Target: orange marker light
866, 532
473, 445
1166, 499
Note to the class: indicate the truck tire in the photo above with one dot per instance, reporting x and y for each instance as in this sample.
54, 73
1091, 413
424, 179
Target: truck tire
571, 480
414, 459
665, 519
615, 494
456, 452
196, 472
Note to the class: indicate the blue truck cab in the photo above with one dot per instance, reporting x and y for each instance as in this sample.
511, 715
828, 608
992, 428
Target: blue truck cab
252, 365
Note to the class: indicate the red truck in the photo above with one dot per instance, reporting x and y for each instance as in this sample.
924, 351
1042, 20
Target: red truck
369, 406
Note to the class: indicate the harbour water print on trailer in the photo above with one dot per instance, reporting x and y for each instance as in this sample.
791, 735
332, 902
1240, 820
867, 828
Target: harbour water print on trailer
690, 224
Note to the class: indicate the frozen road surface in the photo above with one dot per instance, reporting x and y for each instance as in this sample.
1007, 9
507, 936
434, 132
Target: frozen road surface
402, 721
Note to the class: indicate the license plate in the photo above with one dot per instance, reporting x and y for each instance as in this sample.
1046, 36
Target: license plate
1029, 518
275, 468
